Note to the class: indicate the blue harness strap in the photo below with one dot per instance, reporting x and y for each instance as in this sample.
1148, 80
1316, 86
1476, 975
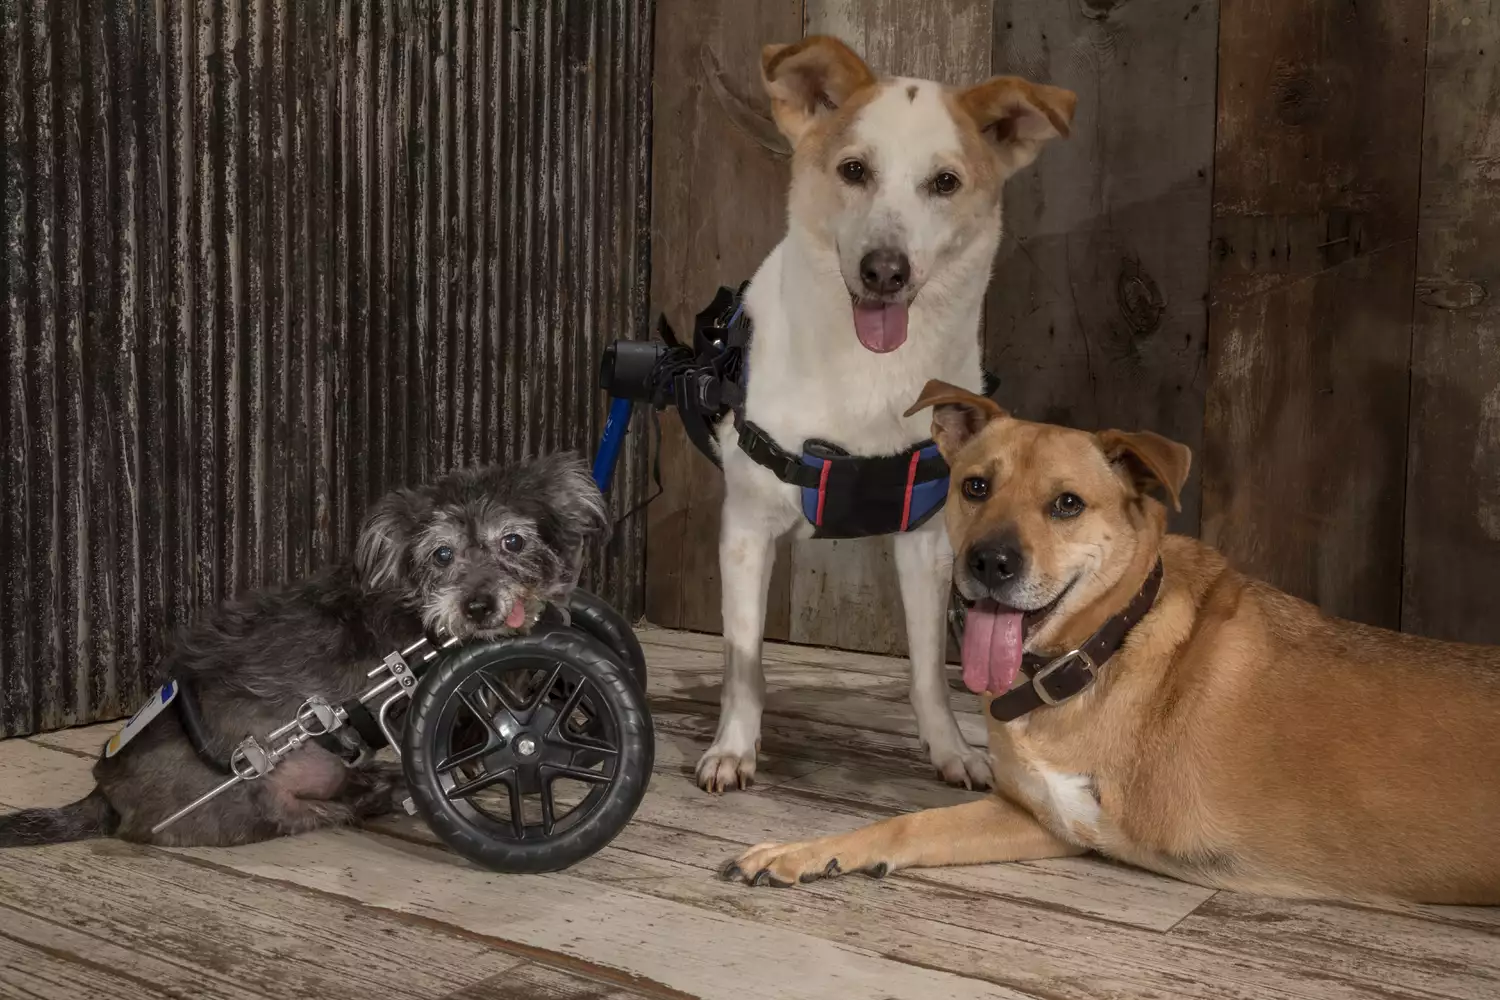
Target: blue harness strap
849, 496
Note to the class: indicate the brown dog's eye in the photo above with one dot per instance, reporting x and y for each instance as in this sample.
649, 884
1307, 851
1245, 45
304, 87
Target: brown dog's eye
945, 183
976, 487
443, 556
1067, 505
513, 543
852, 171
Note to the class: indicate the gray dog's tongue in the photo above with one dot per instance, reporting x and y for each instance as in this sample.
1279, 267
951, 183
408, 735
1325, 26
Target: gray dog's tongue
992, 647
881, 328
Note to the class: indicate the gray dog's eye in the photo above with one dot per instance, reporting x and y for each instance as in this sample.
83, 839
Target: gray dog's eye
443, 556
513, 543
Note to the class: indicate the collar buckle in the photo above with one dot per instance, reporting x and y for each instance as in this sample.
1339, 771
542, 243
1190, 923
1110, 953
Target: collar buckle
1078, 656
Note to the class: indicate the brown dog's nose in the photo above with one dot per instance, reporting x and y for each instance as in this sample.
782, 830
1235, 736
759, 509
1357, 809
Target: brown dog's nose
994, 564
885, 271
479, 607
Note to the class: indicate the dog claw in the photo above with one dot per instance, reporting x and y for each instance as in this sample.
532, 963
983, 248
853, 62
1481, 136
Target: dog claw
830, 870
879, 871
730, 871
762, 877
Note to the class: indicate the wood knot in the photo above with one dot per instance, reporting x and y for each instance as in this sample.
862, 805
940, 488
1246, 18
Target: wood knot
1098, 10
1297, 99
1140, 299
1450, 293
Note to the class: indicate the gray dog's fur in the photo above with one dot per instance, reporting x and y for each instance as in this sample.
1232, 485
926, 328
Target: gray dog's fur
516, 534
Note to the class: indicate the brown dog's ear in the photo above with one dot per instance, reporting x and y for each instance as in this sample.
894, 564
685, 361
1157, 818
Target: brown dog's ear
1019, 116
810, 78
1150, 459
957, 414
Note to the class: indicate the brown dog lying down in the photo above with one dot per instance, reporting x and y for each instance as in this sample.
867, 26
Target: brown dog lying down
1230, 735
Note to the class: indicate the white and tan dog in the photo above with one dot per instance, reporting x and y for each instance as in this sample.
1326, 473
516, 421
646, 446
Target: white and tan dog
878, 286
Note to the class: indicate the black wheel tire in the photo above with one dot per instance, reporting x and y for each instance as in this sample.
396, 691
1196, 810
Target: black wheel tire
481, 839
596, 617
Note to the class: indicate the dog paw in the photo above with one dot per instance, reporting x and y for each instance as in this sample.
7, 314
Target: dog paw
782, 866
723, 770
968, 768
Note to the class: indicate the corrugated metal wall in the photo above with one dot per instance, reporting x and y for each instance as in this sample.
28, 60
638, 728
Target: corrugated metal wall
261, 259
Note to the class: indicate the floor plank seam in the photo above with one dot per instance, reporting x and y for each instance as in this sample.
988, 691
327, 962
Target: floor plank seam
686, 706
103, 969
41, 741
529, 953
1194, 910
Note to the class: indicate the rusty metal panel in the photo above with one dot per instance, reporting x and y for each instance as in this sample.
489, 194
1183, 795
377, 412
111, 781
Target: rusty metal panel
261, 260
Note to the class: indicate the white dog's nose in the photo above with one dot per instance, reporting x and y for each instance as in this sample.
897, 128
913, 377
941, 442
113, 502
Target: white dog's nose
885, 271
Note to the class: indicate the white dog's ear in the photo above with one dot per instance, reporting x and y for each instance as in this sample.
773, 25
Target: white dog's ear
380, 552
810, 78
957, 414
1018, 117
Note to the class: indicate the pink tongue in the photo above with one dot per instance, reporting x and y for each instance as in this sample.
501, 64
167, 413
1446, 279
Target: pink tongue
992, 647
517, 616
881, 328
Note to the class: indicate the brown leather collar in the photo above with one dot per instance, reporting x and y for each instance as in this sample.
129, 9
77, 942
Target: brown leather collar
1056, 680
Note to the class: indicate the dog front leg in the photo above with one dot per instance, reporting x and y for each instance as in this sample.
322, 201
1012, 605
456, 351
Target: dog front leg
747, 551
974, 833
924, 563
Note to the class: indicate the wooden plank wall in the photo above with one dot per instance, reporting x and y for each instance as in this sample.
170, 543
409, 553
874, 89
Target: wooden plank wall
261, 260
1452, 540
1273, 235
1089, 302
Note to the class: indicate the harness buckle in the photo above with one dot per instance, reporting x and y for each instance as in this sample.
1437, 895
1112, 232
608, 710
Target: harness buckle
1076, 656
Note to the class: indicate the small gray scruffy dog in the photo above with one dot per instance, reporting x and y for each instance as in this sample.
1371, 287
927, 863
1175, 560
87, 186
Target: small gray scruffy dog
478, 553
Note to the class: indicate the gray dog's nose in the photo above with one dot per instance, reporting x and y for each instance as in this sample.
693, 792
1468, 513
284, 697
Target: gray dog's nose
885, 271
995, 563
479, 607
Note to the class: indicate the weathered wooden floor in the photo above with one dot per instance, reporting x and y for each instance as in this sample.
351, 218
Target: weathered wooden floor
385, 913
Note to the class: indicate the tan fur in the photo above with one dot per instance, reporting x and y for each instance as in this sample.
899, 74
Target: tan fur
1239, 739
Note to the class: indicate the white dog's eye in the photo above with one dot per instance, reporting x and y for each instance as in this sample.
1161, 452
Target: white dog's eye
443, 556
946, 183
976, 488
513, 543
852, 171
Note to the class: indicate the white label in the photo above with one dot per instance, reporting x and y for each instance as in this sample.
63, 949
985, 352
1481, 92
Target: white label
159, 700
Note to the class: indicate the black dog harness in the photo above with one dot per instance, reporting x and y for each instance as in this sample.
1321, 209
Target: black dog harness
842, 495
1056, 680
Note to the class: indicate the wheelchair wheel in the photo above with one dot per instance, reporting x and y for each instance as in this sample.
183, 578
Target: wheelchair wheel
514, 777
596, 617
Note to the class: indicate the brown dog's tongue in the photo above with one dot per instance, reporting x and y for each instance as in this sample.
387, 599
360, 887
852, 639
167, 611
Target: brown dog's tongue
992, 647
881, 328
517, 616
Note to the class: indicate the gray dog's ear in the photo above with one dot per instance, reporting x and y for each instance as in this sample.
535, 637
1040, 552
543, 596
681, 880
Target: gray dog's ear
385, 536
574, 497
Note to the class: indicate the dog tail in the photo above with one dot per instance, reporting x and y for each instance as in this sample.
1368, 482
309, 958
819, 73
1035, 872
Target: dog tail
90, 816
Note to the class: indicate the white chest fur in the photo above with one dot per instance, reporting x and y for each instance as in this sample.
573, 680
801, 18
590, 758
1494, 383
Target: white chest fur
1067, 803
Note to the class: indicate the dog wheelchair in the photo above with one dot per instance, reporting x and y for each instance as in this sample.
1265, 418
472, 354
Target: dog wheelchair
511, 719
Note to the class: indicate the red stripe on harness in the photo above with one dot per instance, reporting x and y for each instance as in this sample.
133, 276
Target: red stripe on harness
823, 490
911, 481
